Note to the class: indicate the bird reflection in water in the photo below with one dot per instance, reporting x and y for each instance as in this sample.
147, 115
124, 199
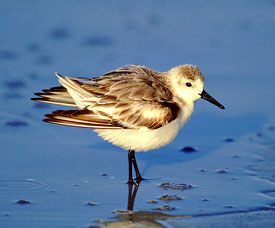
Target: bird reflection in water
130, 218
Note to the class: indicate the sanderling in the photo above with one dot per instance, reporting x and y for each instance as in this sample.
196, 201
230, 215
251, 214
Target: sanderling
133, 107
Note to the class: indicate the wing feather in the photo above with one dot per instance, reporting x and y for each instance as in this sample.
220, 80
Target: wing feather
80, 118
129, 97
141, 99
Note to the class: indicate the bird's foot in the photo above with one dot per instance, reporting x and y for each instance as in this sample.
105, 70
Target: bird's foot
136, 182
138, 179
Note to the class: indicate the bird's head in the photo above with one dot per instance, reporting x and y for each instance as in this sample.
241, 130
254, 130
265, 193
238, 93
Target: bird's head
187, 83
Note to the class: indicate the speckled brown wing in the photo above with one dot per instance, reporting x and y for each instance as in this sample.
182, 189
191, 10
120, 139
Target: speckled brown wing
133, 83
138, 98
148, 114
129, 97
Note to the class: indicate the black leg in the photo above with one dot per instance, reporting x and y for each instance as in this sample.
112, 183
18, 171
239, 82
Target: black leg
134, 162
130, 162
131, 196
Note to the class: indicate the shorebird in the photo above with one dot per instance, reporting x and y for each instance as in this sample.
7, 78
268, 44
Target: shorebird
133, 107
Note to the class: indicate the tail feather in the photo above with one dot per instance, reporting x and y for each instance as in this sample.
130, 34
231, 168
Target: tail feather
53, 101
73, 92
77, 91
55, 95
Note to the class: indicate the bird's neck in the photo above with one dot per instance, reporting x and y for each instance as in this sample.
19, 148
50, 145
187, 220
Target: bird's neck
186, 111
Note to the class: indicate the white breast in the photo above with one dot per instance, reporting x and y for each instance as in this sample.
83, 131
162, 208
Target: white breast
144, 139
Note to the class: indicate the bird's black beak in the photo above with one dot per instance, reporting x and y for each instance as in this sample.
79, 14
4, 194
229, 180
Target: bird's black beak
208, 97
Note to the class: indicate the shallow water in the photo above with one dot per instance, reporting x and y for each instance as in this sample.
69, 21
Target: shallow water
59, 176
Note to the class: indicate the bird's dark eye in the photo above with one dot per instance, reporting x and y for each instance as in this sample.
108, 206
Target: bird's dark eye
188, 84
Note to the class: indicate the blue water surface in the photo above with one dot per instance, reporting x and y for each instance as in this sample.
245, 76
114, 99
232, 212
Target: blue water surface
58, 170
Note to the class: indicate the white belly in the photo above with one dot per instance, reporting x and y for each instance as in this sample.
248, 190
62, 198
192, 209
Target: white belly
145, 139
